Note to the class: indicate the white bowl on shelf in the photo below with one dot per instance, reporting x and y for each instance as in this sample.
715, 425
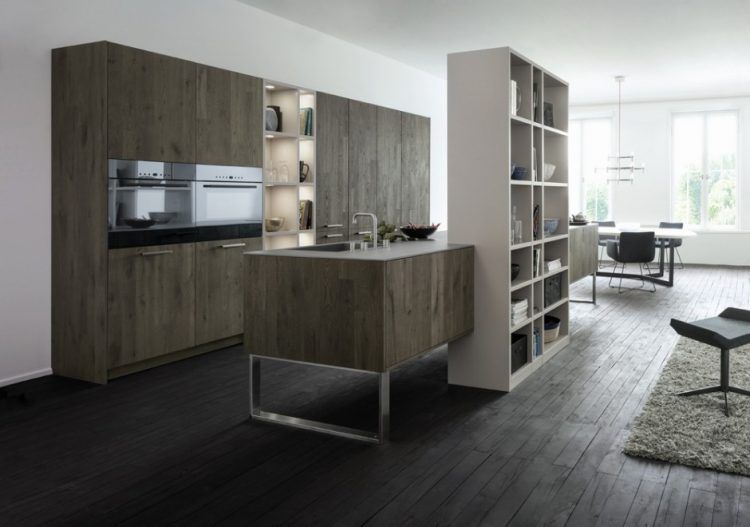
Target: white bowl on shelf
549, 171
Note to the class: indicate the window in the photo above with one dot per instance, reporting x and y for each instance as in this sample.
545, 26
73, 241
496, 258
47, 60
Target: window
704, 169
590, 145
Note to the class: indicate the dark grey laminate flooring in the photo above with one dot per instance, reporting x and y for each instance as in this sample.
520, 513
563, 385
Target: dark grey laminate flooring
173, 445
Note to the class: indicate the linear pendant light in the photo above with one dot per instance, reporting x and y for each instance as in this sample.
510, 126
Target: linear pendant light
621, 167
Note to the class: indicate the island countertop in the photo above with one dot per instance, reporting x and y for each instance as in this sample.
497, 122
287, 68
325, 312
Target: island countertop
396, 251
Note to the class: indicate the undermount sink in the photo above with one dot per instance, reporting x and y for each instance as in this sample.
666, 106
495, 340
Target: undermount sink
326, 247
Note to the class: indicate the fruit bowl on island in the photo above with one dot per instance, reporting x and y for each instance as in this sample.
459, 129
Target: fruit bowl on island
419, 232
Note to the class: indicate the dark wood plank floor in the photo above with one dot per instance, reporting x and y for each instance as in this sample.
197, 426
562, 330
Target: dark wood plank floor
173, 445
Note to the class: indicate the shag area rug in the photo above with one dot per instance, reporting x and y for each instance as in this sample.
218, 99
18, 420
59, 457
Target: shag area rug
694, 430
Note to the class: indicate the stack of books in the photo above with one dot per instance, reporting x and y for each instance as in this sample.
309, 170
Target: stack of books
306, 121
551, 265
519, 309
305, 214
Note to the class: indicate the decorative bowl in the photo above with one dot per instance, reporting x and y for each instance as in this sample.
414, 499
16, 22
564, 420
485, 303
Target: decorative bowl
274, 224
551, 225
549, 171
162, 217
418, 232
519, 172
139, 223
515, 270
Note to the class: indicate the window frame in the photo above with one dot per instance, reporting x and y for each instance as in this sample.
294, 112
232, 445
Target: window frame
608, 116
704, 226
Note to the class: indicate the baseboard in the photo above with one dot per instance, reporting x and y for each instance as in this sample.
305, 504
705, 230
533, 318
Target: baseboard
25, 377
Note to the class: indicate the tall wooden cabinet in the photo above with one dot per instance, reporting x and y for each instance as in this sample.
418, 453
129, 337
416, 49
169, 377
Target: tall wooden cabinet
79, 211
363, 163
389, 149
151, 105
332, 207
370, 159
228, 118
415, 168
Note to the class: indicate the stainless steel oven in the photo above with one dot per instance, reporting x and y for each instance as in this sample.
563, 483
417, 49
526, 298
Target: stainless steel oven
227, 195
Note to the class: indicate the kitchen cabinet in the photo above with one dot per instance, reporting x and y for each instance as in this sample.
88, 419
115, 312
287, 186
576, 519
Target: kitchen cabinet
389, 165
150, 302
219, 289
363, 163
228, 118
151, 106
415, 169
332, 169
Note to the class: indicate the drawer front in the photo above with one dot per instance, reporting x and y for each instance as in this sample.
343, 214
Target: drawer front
219, 287
150, 302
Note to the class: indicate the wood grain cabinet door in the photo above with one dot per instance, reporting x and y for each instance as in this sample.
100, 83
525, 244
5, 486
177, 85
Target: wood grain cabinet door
415, 168
151, 106
150, 302
228, 118
389, 166
332, 173
219, 288
363, 163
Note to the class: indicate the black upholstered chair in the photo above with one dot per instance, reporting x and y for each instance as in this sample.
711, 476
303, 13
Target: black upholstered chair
632, 248
675, 242
604, 238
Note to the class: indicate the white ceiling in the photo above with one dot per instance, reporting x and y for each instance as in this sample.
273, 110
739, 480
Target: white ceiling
668, 49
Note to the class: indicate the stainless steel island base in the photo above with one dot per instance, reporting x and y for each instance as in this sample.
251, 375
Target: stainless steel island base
384, 408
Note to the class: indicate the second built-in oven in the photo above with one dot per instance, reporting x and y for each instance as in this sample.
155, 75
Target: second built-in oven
228, 195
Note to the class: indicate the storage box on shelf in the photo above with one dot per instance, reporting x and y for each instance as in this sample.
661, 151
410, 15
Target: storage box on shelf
497, 124
289, 160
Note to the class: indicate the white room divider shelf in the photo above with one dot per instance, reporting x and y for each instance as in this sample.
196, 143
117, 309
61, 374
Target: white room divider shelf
486, 138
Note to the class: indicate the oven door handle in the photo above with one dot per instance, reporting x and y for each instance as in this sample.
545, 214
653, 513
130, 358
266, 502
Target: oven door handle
229, 186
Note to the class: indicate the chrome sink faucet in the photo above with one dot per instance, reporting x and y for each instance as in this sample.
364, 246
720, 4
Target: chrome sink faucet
374, 225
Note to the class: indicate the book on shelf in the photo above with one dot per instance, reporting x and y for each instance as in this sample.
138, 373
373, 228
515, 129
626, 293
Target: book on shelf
305, 214
306, 121
551, 265
536, 342
537, 263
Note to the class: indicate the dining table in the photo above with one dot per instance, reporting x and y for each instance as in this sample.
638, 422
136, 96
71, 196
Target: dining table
663, 238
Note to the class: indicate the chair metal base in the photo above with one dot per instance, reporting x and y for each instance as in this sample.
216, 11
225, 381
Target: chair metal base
723, 387
640, 276
379, 437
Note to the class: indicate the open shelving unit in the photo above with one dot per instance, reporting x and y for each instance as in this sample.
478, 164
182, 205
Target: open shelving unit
284, 151
487, 139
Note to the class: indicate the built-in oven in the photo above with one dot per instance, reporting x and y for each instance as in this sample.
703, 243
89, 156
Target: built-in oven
228, 195
157, 203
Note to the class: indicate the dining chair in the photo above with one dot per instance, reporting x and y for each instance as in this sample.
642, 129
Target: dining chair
632, 247
604, 238
673, 242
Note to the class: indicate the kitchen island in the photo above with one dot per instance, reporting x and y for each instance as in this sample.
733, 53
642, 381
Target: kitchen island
364, 310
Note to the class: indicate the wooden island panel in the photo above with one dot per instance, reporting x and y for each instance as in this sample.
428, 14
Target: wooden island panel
361, 314
323, 311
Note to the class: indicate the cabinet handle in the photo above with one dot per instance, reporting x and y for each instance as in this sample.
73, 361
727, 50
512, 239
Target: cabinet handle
363, 232
156, 253
333, 235
230, 186
231, 245
333, 225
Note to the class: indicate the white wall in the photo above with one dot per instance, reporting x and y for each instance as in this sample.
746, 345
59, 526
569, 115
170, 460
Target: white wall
646, 131
223, 33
